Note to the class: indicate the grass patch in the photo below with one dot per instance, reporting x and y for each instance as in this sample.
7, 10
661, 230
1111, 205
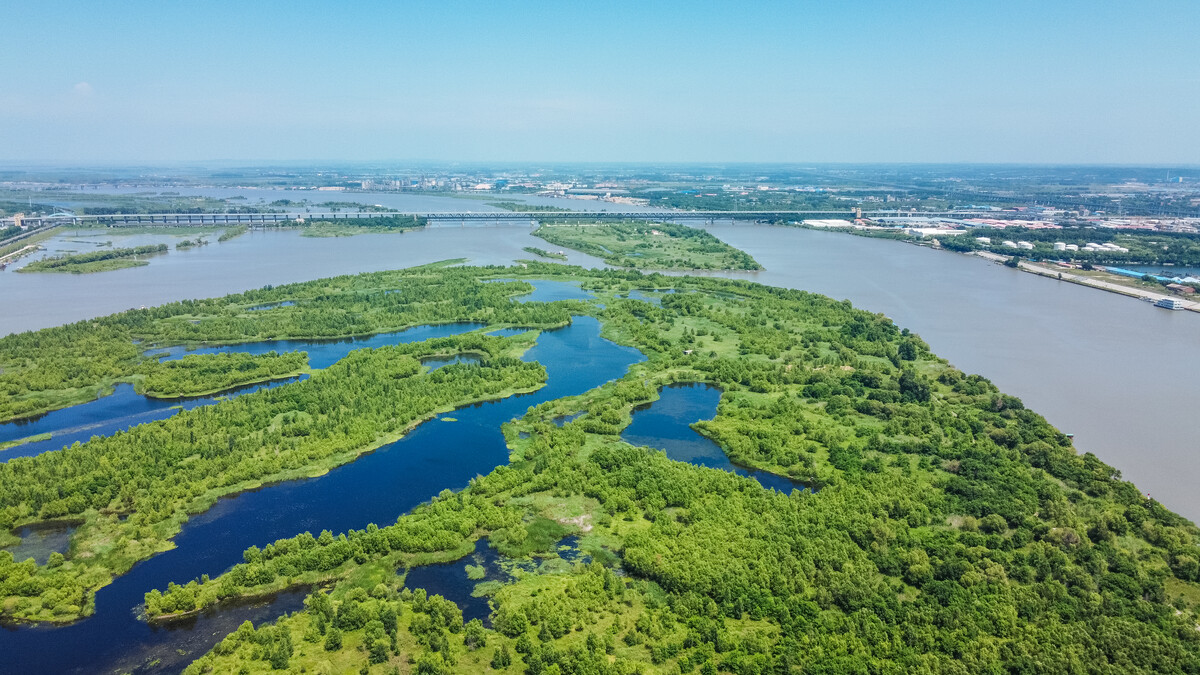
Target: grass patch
98, 261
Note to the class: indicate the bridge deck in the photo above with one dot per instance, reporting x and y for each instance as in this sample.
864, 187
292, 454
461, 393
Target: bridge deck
119, 219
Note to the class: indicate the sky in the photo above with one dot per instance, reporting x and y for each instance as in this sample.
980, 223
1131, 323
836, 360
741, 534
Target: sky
1096, 82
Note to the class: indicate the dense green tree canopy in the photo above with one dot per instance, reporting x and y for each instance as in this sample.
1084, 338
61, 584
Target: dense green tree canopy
950, 529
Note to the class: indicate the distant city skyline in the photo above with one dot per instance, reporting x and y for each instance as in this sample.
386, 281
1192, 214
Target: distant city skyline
923, 82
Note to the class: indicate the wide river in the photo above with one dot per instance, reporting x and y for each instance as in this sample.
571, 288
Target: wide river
1121, 375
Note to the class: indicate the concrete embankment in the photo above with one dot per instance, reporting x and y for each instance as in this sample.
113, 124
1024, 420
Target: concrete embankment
1090, 281
4, 260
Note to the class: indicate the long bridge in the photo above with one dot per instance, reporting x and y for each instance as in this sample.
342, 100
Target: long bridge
268, 219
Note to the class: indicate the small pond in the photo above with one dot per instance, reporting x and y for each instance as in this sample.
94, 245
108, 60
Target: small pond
666, 424
443, 361
39, 541
646, 296
465, 581
546, 290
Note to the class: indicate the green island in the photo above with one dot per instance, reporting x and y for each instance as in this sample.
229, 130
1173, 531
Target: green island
543, 253
191, 243
204, 374
651, 246
98, 261
348, 227
948, 528
232, 233
8, 444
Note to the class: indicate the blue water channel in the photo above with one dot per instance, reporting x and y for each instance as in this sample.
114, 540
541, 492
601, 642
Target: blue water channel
124, 409
376, 488
666, 424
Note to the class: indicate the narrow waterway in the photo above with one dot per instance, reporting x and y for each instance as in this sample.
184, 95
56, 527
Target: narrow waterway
665, 424
376, 488
124, 408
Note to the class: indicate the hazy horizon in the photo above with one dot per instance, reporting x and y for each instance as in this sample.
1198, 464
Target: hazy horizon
1025, 83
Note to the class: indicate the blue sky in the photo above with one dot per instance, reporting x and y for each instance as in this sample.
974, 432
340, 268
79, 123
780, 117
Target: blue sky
965, 81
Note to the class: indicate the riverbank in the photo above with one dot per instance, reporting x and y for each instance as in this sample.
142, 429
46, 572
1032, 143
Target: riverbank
1111, 287
29, 237
24, 244
1118, 285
